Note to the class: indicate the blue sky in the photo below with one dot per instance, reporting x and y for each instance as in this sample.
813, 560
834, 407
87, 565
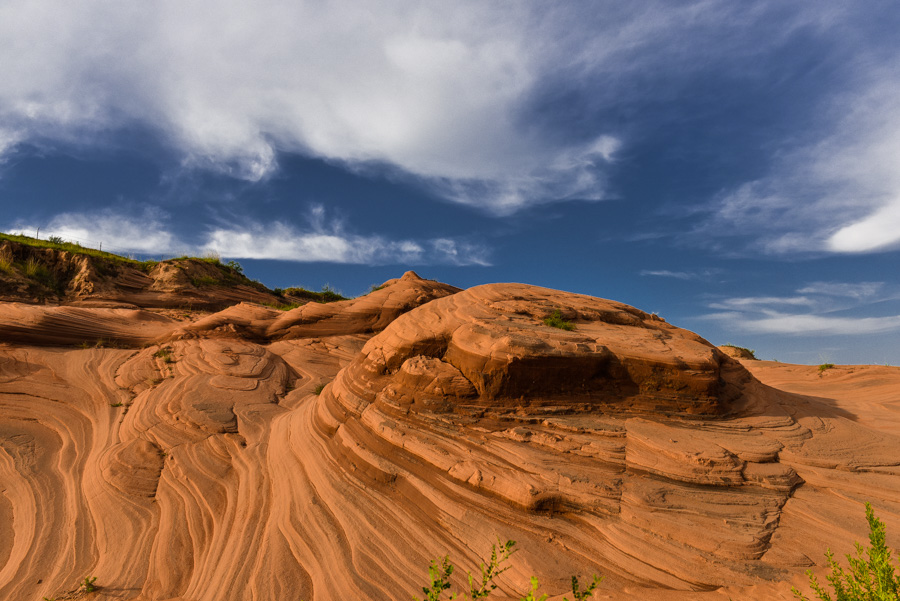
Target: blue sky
734, 167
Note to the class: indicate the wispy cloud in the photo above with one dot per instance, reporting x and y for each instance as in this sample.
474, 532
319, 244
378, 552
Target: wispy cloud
816, 311
762, 302
680, 275
859, 291
837, 193
781, 323
320, 241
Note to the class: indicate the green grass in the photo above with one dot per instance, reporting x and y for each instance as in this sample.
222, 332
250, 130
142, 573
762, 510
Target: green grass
742, 348
556, 321
205, 280
318, 389
327, 295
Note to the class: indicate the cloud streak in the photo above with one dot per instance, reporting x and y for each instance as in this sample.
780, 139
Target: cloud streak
321, 242
816, 311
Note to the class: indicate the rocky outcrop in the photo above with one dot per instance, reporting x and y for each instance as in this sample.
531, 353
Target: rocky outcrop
331, 452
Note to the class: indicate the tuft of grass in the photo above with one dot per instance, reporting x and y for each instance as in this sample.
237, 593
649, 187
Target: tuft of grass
327, 295
205, 280
556, 321
318, 389
824, 367
872, 572
165, 354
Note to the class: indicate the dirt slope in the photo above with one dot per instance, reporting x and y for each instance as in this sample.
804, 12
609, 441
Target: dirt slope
330, 452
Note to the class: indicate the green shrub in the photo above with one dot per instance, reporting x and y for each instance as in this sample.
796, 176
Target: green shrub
825, 366
318, 389
556, 321
871, 576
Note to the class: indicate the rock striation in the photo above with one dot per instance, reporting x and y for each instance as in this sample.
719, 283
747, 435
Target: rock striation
331, 451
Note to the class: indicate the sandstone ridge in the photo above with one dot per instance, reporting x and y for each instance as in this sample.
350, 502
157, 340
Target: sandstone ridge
331, 451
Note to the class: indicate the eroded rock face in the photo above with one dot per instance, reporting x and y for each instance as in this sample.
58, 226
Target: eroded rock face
495, 338
331, 454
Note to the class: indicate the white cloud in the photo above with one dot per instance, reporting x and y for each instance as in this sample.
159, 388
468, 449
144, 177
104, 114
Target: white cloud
839, 193
680, 275
107, 231
859, 291
761, 302
783, 323
814, 312
434, 89
321, 242
449, 93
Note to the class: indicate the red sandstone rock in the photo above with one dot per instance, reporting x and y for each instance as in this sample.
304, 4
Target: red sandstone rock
330, 452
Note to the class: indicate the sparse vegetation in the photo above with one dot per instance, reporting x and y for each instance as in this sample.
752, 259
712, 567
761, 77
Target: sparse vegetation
57, 243
165, 354
235, 267
282, 306
119, 404
318, 389
871, 576
205, 280
327, 295
480, 587
824, 367
88, 585
556, 321
750, 351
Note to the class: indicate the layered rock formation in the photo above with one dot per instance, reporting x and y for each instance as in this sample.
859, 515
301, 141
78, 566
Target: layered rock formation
330, 452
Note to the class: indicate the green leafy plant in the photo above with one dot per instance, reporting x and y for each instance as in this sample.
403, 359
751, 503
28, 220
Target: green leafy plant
55, 240
318, 389
871, 574
235, 266
88, 585
556, 321
479, 588
439, 573
535, 583
825, 366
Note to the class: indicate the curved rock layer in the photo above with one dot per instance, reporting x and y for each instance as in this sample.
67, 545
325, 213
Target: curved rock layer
261, 455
